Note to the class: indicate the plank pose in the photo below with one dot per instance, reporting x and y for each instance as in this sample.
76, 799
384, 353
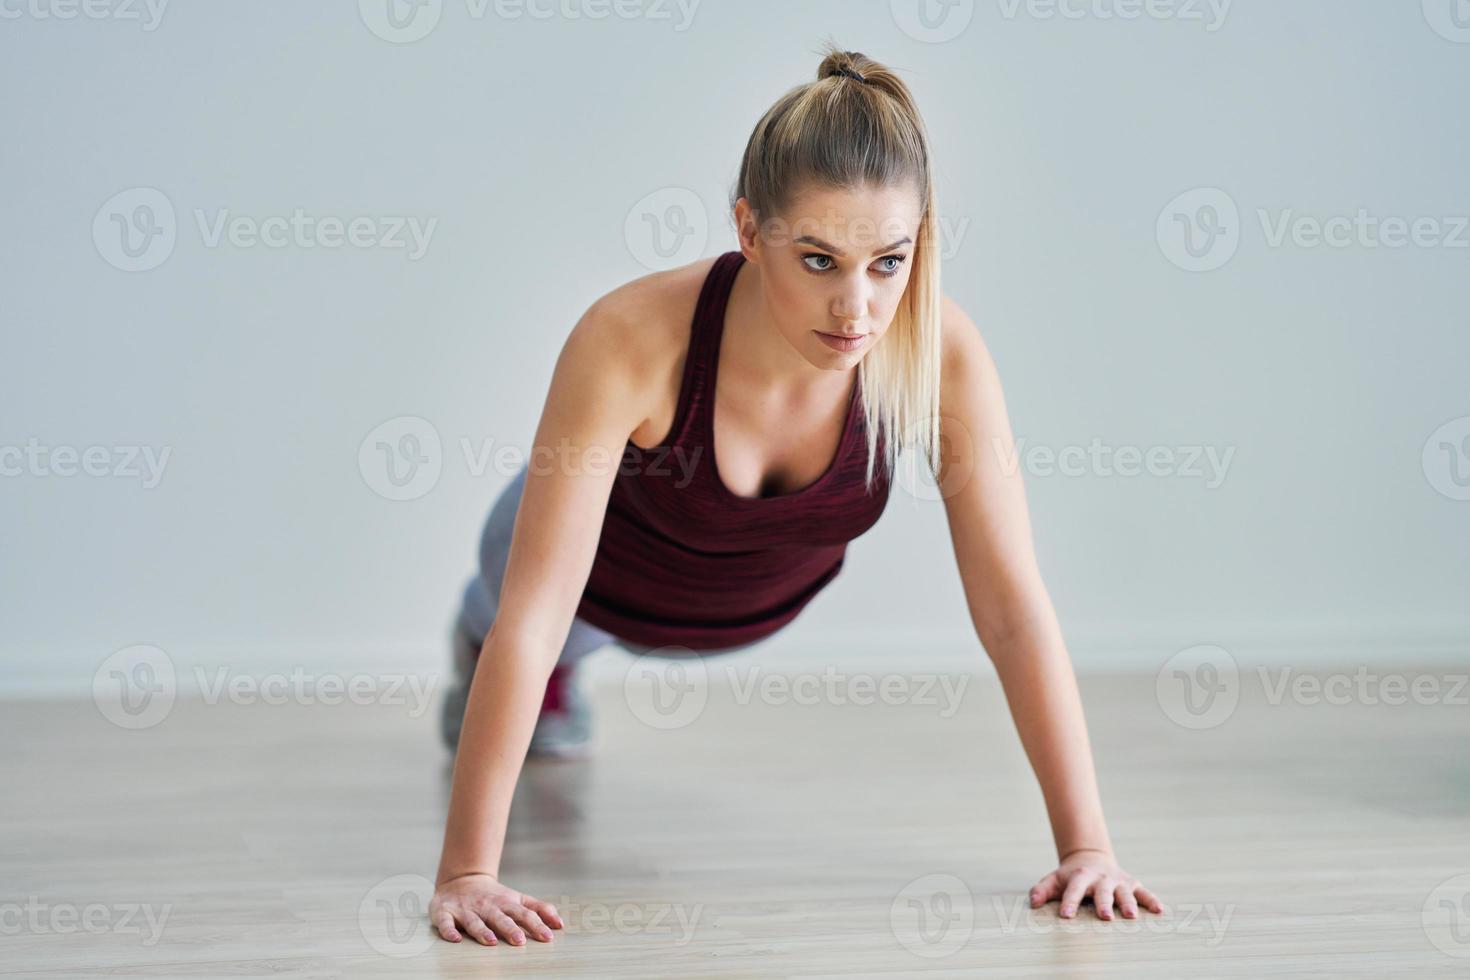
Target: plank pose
733, 424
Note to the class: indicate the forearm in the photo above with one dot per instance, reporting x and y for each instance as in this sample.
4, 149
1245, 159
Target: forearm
499, 718
1041, 690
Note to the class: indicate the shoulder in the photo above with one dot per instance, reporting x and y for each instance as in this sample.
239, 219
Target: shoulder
626, 352
644, 321
963, 354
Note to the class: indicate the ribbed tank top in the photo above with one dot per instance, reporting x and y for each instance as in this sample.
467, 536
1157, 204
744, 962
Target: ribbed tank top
683, 560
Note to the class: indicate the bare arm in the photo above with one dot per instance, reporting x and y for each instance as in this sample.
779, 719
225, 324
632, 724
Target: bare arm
593, 405
985, 504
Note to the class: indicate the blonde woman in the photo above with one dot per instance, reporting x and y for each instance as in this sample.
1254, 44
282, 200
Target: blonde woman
811, 357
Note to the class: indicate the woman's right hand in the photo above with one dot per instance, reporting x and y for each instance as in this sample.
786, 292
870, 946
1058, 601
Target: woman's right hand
482, 907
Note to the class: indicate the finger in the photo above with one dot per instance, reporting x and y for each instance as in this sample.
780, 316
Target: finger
444, 922
546, 910
1045, 890
505, 926
530, 921
1075, 891
478, 930
1126, 905
1149, 900
1102, 898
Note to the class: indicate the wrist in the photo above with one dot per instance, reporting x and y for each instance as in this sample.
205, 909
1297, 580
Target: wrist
445, 877
1064, 854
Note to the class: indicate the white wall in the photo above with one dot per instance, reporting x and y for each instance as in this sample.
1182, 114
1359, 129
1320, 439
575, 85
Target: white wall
531, 140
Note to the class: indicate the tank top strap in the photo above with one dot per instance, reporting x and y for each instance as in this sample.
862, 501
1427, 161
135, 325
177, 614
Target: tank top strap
700, 364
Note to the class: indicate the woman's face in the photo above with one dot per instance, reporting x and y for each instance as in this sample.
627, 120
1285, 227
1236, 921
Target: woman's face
835, 266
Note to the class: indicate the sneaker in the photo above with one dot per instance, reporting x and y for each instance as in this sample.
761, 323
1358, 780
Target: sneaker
563, 726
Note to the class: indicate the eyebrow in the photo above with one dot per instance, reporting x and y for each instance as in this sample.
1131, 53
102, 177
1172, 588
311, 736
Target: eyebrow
814, 240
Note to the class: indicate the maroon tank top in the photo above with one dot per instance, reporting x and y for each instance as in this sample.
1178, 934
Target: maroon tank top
682, 559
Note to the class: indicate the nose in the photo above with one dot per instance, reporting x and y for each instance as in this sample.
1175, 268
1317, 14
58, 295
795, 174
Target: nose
851, 301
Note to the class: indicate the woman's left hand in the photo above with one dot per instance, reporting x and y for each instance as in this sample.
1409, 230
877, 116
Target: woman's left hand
1096, 874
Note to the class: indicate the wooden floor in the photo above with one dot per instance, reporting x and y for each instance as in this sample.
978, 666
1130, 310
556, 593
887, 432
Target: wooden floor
756, 839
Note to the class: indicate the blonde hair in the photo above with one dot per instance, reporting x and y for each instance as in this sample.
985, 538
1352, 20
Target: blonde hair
858, 124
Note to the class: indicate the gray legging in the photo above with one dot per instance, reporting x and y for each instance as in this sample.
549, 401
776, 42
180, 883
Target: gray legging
477, 609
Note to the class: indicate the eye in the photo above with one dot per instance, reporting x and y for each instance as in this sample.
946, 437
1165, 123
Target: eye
886, 271
893, 270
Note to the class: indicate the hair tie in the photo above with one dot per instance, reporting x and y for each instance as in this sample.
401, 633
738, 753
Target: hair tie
852, 74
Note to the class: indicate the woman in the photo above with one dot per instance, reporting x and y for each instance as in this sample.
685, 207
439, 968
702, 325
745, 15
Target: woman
811, 356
